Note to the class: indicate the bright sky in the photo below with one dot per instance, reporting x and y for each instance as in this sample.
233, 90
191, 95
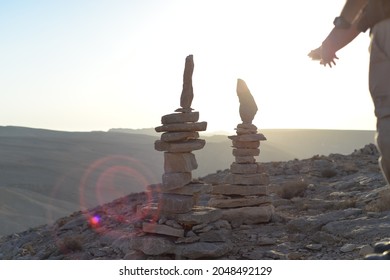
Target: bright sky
84, 65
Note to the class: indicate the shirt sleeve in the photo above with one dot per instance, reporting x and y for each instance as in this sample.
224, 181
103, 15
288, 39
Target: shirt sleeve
374, 12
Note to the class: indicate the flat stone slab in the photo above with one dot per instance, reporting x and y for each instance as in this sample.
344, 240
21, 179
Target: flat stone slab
149, 211
245, 160
246, 129
152, 245
227, 202
246, 152
228, 189
193, 189
175, 203
248, 215
246, 168
203, 250
220, 235
158, 245
180, 118
198, 126
179, 162
180, 147
315, 223
365, 228
246, 144
162, 229
247, 179
171, 181
248, 137
198, 215
184, 110
179, 136
189, 189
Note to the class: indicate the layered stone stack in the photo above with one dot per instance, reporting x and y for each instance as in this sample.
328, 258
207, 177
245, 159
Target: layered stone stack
173, 222
244, 197
180, 138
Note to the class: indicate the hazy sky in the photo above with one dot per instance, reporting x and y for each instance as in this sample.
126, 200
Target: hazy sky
85, 65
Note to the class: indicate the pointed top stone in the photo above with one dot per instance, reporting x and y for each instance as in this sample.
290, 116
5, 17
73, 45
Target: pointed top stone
248, 107
187, 93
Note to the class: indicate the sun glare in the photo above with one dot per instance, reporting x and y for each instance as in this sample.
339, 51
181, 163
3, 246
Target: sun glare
130, 76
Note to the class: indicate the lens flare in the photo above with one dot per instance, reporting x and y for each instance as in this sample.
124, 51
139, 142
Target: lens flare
95, 221
112, 178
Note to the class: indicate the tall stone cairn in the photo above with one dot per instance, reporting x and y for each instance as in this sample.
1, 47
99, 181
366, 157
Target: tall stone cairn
244, 196
174, 217
180, 137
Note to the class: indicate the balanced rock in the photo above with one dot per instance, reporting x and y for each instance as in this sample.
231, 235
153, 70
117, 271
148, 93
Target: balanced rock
179, 147
246, 152
179, 136
189, 189
171, 181
246, 128
245, 160
175, 203
180, 118
248, 107
248, 137
179, 162
187, 93
193, 189
248, 179
198, 126
250, 168
246, 144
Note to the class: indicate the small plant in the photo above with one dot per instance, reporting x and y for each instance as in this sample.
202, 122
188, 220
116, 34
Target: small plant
28, 249
71, 244
328, 173
61, 222
293, 189
382, 203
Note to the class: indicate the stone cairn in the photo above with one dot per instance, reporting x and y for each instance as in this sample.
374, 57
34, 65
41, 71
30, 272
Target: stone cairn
243, 198
173, 223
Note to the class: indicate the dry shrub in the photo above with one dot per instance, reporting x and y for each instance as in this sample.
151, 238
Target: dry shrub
382, 203
345, 204
71, 244
292, 189
61, 222
28, 249
328, 173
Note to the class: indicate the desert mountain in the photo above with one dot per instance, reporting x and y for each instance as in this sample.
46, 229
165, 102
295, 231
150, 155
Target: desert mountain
46, 174
326, 207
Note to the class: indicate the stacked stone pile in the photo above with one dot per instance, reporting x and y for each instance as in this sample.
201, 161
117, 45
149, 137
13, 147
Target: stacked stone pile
243, 197
180, 138
173, 221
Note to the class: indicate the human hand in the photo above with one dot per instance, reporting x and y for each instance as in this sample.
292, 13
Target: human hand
324, 54
328, 56
315, 54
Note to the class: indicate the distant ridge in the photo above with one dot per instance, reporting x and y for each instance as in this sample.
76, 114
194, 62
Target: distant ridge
40, 166
146, 131
19, 131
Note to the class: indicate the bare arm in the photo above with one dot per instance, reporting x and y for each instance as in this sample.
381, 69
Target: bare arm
339, 38
336, 40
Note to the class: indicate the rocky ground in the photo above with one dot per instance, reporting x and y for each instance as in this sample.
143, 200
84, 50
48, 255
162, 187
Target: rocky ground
326, 207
